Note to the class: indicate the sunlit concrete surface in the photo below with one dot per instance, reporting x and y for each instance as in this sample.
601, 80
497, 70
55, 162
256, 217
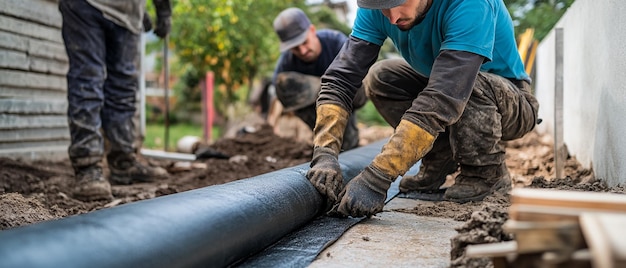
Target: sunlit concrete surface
393, 239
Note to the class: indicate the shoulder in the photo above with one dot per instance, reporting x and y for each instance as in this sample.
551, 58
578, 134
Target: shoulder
331, 34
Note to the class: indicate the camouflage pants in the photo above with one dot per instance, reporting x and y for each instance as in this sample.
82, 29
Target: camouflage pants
102, 83
498, 110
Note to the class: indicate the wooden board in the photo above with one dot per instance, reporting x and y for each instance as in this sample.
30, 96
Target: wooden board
604, 233
523, 212
569, 199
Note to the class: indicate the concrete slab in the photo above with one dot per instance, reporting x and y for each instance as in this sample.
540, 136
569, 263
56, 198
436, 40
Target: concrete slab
393, 239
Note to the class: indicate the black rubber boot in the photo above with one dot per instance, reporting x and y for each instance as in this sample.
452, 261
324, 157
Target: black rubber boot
90, 184
475, 183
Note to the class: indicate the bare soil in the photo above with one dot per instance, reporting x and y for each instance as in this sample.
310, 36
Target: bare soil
31, 192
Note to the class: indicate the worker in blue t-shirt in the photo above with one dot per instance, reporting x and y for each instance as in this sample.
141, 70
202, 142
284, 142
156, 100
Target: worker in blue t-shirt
305, 56
458, 93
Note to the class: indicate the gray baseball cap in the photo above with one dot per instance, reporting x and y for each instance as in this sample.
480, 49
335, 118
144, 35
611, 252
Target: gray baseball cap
292, 26
379, 4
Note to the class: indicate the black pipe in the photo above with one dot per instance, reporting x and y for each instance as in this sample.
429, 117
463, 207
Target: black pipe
208, 227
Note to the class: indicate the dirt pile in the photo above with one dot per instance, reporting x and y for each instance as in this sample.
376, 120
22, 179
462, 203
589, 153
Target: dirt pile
33, 192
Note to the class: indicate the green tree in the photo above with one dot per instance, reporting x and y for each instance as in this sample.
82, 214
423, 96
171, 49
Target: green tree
232, 38
540, 15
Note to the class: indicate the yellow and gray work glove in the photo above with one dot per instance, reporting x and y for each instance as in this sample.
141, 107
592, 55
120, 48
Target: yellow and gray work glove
325, 172
365, 194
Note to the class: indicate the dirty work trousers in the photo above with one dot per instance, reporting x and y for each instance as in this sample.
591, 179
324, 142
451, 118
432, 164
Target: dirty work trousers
498, 110
101, 82
309, 86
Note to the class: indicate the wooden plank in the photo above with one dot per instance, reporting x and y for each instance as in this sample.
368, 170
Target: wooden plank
545, 236
569, 199
32, 80
25, 28
9, 147
19, 60
49, 66
47, 50
31, 93
30, 106
43, 12
501, 249
168, 155
9, 121
13, 60
47, 152
523, 212
12, 41
38, 134
605, 235
33, 47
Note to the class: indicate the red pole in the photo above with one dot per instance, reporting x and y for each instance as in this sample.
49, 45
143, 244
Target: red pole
208, 107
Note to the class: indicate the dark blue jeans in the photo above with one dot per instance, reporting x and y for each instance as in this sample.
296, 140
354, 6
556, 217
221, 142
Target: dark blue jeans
101, 83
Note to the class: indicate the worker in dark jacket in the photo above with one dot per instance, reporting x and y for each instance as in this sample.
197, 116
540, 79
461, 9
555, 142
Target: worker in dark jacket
305, 56
458, 93
101, 39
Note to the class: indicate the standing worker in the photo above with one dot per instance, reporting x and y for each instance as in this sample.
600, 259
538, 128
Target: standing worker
460, 91
101, 39
305, 56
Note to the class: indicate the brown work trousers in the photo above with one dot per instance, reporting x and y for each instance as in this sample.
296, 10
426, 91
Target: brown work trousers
498, 110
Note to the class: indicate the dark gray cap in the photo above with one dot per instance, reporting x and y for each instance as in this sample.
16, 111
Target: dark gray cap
379, 4
291, 25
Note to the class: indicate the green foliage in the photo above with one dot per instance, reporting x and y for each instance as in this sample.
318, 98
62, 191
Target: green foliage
540, 15
369, 115
232, 38
325, 18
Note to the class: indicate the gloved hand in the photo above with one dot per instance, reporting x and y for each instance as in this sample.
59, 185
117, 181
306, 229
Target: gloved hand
325, 172
163, 26
163, 21
147, 22
365, 194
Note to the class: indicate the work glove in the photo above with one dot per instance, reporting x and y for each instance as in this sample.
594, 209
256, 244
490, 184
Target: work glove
163, 21
147, 22
325, 172
163, 26
365, 194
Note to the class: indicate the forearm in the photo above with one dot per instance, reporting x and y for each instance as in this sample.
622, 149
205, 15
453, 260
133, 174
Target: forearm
163, 8
449, 88
407, 145
345, 75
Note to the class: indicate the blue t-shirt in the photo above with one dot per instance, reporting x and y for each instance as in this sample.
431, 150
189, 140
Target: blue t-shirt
331, 42
482, 27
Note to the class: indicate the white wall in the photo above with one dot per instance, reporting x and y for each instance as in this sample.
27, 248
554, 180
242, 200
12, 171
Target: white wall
594, 75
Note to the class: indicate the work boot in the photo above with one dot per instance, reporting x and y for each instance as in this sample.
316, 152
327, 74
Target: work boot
475, 183
90, 184
126, 169
430, 176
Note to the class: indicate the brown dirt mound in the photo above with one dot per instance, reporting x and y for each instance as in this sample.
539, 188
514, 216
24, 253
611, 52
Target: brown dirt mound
38, 191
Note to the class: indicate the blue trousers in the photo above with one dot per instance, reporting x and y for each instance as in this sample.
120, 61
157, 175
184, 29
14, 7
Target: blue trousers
101, 83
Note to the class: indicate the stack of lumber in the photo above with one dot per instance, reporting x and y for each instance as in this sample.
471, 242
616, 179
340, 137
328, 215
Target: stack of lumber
555, 228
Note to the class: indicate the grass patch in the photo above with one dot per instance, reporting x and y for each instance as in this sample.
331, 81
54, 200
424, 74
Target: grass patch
369, 115
155, 134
